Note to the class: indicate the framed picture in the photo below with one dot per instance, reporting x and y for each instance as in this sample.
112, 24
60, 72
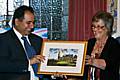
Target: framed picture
64, 57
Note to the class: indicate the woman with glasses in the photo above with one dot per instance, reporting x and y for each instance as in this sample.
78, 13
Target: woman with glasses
102, 59
103, 51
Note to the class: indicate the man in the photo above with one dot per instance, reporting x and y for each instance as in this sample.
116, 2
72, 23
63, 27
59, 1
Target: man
14, 61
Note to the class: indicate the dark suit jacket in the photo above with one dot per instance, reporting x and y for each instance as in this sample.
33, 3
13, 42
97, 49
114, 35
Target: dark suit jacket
111, 55
13, 59
118, 38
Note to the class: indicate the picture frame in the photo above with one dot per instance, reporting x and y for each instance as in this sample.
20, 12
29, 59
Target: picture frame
63, 57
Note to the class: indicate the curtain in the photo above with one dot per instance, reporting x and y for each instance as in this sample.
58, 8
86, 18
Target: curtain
80, 15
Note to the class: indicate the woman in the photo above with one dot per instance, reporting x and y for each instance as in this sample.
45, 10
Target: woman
102, 60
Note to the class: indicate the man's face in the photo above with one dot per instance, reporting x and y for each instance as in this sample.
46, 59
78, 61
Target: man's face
26, 25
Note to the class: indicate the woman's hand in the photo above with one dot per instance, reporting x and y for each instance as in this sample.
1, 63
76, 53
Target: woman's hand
37, 59
58, 76
99, 63
89, 60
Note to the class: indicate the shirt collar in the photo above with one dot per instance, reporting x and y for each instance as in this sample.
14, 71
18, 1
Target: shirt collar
18, 34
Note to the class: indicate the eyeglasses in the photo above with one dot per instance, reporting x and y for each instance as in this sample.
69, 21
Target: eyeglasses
97, 27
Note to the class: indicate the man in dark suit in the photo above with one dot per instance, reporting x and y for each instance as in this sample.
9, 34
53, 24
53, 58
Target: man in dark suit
14, 62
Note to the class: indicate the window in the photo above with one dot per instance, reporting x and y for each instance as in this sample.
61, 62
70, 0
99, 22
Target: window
50, 14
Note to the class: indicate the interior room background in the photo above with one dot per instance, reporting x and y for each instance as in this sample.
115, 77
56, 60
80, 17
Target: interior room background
64, 19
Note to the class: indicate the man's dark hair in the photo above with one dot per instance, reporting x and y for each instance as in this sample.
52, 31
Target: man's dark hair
19, 13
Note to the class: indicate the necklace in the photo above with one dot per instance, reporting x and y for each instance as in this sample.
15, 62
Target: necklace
99, 45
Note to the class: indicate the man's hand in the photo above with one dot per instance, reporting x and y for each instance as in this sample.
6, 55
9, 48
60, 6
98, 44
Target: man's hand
37, 59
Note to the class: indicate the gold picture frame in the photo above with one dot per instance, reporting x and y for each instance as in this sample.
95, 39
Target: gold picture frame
64, 57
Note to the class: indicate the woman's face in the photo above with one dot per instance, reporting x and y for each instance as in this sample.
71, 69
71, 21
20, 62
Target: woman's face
99, 29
